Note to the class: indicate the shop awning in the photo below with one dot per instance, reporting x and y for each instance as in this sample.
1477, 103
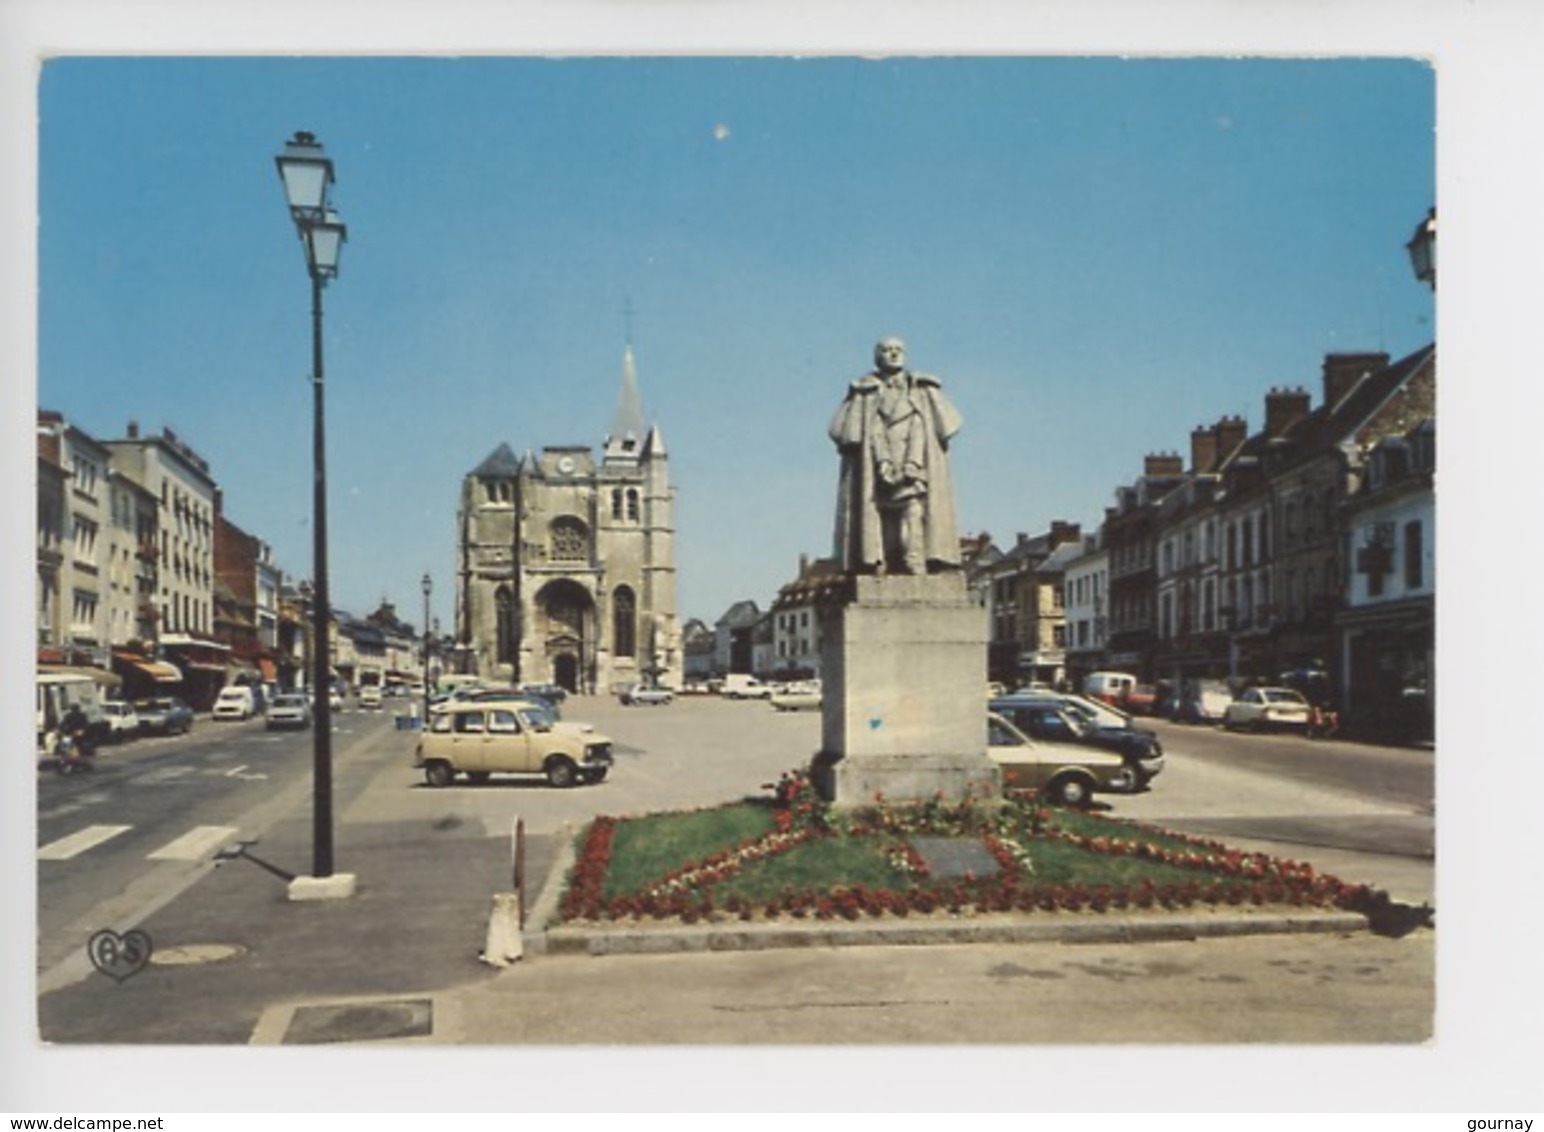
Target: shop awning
103, 677
160, 671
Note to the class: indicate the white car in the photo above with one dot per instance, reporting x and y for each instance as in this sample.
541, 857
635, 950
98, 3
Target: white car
1260, 708
122, 720
289, 710
235, 702
370, 697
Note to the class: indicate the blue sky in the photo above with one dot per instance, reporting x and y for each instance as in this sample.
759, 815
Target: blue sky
1095, 255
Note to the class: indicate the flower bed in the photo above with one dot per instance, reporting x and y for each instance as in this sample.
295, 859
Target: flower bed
809, 865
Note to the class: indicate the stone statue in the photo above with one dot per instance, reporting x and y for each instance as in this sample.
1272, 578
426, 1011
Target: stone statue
895, 503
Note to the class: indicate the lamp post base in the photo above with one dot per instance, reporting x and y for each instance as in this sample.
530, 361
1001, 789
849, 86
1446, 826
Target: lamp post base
339, 886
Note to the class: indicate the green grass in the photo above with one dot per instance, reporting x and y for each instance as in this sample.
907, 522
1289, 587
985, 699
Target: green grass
646, 849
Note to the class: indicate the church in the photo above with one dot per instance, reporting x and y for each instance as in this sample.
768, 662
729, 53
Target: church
566, 565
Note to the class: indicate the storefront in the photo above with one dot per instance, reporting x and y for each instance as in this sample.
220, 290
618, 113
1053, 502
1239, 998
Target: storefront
1389, 657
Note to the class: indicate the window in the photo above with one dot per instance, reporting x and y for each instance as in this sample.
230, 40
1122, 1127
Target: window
569, 543
624, 620
632, 504
469, 723
1413, 550
503, 723
616, 503
504, 610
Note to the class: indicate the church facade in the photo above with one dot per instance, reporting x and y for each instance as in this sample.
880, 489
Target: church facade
566, 563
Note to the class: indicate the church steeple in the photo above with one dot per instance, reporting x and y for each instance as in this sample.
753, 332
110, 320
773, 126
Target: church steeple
628, 428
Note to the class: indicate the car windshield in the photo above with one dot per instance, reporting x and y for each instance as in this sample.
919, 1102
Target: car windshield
288, 701
1284, 696
1096, 715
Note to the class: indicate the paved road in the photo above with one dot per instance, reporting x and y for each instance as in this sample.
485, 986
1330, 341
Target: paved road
233, 951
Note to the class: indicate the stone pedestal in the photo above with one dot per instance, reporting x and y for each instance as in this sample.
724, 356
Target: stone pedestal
903, 693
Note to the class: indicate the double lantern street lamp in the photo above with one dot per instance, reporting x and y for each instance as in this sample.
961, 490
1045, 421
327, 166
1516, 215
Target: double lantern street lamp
428, 586
306, 172
1423, 250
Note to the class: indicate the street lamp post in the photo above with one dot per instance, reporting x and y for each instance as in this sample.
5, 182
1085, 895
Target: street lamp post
428, 585
306, 172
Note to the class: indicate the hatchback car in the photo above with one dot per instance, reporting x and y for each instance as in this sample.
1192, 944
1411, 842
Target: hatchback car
235, 702
641, 695
1260, 708
122, 720
1066, 774
164, 715
480, 739
1046, 718
289, 709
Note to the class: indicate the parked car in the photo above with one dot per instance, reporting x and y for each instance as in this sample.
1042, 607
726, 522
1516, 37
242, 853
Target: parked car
164, 715
235, 702
289, 709
480, 739
1067, 774
1203, 701
1047, 717
122, 720
1261, 708
554, 692
370, 697
641, 695
797, 697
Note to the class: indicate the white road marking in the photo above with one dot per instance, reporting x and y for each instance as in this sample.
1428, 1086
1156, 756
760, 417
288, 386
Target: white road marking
78, 843
196, 844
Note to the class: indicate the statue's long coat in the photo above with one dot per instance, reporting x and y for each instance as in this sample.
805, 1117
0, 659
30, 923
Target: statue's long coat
859, 537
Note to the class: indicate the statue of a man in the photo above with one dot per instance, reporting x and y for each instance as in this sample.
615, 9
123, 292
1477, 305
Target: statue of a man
895, 503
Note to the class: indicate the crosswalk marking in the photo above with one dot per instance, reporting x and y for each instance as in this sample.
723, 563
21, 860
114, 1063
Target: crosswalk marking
77, 843
196, 844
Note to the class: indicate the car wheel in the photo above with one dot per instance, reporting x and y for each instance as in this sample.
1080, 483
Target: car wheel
439, 774
478, 777
561, 772
1072, 792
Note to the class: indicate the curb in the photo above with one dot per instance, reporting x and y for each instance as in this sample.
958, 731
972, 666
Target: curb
675, 939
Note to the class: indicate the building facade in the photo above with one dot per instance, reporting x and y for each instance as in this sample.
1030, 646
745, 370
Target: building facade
566, 563
1387, 647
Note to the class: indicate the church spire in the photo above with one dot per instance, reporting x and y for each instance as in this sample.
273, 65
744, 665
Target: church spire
627, 431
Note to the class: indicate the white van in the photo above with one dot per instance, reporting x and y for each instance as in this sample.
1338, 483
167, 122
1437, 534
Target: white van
742, 686
1111, 687
235, 702
57, 693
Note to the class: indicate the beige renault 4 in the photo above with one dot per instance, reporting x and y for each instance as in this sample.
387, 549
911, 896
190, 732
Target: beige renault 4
484, 739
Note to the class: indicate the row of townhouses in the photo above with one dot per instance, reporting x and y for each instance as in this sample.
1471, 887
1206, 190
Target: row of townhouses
1304, 548
145, 582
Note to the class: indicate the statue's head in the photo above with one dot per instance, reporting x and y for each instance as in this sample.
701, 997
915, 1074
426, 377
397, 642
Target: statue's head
890, 355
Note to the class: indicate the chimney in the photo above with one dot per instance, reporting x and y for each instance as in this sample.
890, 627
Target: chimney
1343, 371
1283, 409
1062, 531
1231, 432
1203, 449
1163, 464
804, 564
1022, 539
